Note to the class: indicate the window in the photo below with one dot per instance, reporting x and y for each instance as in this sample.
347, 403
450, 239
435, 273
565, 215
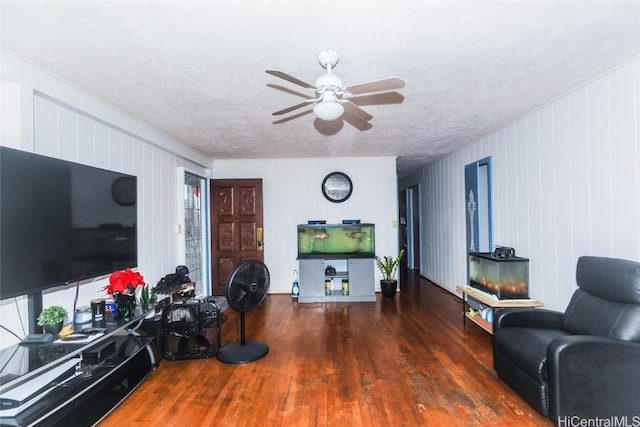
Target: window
195, 231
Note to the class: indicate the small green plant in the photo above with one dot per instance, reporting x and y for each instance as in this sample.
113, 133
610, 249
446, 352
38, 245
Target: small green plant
388, 265
52, 315
147, 295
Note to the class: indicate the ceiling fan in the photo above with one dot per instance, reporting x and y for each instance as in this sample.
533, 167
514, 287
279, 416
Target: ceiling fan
331, 96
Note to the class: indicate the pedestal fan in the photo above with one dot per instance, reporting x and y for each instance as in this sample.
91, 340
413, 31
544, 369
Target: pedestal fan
246, 288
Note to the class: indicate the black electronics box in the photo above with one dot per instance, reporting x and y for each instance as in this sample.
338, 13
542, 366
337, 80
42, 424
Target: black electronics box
97, 354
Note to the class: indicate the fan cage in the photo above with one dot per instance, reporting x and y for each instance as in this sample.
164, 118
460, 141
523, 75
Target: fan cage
248, 285
191, 329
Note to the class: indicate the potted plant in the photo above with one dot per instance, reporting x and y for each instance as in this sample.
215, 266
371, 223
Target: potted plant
148, 295
148, 298
388, 266
52, 318
122, 286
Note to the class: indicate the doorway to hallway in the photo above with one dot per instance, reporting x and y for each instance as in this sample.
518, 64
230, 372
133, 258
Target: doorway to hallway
409, 229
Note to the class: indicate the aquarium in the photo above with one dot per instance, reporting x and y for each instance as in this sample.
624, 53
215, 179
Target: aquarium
504, 277
333, 240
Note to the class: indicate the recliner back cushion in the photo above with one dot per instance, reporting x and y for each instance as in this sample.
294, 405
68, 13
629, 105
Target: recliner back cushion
613, 279
587, 314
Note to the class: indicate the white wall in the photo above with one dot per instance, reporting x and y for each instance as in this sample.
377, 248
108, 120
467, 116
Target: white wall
292, 195
44, 115
566, 183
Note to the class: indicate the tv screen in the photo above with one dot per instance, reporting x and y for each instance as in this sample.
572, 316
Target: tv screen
62, 222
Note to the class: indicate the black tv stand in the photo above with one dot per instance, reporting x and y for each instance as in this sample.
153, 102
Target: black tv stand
38, 339
92, 386
34, 307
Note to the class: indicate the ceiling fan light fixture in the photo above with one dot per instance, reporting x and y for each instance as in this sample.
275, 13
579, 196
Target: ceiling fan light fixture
328, 109
327, 81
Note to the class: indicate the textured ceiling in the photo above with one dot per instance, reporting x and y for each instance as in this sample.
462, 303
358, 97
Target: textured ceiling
195, 70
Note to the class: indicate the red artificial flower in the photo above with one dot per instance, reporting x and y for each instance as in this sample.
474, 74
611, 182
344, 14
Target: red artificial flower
124, 282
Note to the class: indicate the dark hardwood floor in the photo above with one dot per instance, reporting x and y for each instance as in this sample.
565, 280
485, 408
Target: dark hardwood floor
407, 361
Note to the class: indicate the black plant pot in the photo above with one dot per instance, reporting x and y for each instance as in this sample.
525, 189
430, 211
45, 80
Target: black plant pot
388, 288
52, 329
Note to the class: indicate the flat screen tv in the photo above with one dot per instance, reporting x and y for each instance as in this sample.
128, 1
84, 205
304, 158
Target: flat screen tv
62, 222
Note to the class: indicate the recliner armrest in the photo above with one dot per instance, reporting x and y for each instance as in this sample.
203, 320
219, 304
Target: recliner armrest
528, 318
592, 376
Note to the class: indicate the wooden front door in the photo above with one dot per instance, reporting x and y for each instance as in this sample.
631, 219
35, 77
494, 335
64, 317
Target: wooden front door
236, 227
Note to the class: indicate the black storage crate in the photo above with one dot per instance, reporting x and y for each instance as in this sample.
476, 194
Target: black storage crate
191, 330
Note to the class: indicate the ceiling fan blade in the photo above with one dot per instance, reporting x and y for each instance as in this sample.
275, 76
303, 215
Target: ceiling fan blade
378, 99
389, 83
289, 91
358, 124
291, 79
356, 112
295, 107
292, 117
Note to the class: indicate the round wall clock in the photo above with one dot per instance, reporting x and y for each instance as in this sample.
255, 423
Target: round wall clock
123, 191
337, 187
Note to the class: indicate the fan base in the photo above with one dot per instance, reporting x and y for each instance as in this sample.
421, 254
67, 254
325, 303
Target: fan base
236, 352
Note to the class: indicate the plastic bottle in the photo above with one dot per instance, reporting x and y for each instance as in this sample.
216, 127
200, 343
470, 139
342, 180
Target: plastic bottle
295, 287
345, 286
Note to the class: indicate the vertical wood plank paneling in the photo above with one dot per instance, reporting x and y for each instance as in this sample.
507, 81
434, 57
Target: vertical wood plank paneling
427, 252
580, 207
435, 213
45, 127
534, 190
500, 178
169, 223
599, 167
100, 146
456, 209
85, 140
510, 237
143, 246
447, 178
441, 215
114, 148
10, 105
625, 191
534, 247
547, 251
128, 160
460, 276
153, 184
522, 196
566, 184
149, 224
150, 186
68, 138
562, 239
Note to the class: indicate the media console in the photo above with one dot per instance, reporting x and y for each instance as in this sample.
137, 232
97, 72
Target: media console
74, 383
